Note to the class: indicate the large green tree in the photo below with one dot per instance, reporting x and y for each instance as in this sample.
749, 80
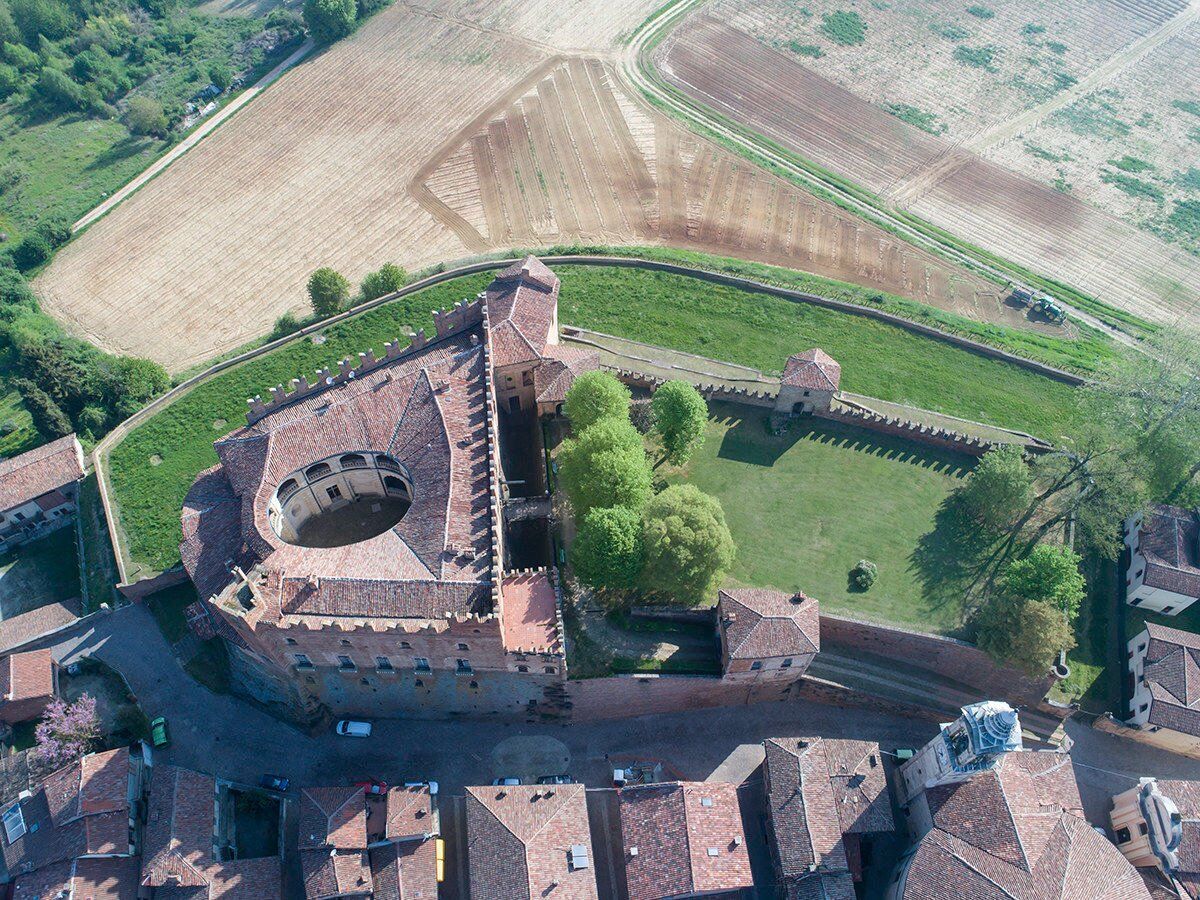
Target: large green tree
1049, 574
595, 396
1023, 633
605, 466
688, 545
329, 20
680, 415
998, 489
386, 280
328, 292
608, 550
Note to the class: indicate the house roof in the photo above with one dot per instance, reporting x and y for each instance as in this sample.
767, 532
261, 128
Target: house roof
522, 304
27, 676
333, 817
1017, 832
822, 886
335, 873
177, 849
561, 365
529, 612
86, 878
1172, 674
405, 870
688, 837
409, 813
817, 791
1170, 541
519, 840
426, 409
762, 624
813, 370
27, 476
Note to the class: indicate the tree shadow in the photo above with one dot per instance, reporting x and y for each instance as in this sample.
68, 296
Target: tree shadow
952, 560
122, 150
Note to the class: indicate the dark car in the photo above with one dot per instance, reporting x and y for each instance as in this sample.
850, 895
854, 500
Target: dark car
274, 783
555, 779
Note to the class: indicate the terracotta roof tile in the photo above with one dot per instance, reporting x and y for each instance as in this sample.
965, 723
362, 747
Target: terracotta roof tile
1170, 541
813, 369
29, 475
761, 624
522, 306
409, 813
529, 612
561, 365
405, 870
27, 676
335, 873
1172, 673
333, 817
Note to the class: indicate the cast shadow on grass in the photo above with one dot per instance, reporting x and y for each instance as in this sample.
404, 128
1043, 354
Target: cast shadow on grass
121, 150
952, 560
750, 440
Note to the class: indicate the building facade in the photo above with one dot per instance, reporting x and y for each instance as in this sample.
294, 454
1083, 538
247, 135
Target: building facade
1164, 560
1165, 706
810, 382
1157, 825
38, 491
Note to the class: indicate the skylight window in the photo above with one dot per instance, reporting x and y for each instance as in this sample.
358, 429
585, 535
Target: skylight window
14, 823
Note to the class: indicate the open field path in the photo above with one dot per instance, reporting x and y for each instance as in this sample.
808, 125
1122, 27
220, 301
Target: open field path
195, 137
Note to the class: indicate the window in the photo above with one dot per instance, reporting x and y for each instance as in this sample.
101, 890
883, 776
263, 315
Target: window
291, 642
462, 667
786, 664
14, 823
549, 670
303, 662
421, 663
463, 647
1167, 609
755, 666
346, 643
352, 461
386, 462
334, 492
288, 488
392, 483
405, 645
522, 668
1142, 829
383, 664
20, 518
346, 664
1123, 836
1143, 707
320, 470
1136, 601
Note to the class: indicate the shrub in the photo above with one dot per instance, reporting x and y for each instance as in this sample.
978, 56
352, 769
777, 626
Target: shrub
145, 116
863, 575
387, 280
843, 27
981, 12
1188, 106
812, 51
329, 20
57, 93
605, 466
15, 290
680, 415
593, 397
1185, 217
31, 252
976, 57
285, 325
220, 74
688, 545
950, 31
10, 80
917, 117
1134, 187
608, 550
1031, 29
328, 292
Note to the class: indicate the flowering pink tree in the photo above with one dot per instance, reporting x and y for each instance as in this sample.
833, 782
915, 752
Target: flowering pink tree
67, 731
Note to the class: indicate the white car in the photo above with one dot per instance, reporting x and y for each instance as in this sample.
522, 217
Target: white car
351, 728
506, 782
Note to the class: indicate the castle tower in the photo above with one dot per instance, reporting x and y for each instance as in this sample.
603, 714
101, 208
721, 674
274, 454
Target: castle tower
974, 742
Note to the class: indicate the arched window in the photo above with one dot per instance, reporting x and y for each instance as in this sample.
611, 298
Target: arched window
386, 462
353, 461
395, 485
320, 470
288, 488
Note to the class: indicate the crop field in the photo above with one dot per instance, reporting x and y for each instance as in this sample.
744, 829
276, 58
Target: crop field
313, 172
782, 94
567, 156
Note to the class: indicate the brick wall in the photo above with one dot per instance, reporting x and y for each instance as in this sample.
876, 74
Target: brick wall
1164, 738
902, 428
946, 657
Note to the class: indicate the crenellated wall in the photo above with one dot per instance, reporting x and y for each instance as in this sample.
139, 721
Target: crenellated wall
929, 435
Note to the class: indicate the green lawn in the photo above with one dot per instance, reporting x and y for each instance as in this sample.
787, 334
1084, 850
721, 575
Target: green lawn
152, 469
805, 506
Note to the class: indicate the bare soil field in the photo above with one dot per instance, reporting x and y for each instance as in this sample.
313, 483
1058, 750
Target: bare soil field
568, 156
977, 200
313, 172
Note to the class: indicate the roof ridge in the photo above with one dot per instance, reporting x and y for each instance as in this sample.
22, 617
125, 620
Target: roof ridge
687, 836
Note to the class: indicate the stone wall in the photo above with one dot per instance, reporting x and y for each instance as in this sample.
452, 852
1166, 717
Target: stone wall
941, 438
138, 591
945, 657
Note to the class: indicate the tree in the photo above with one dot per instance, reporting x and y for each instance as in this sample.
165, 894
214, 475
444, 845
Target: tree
10, 80
328, 292
31, 252
863, 575
388, 279
1023, 633
145, 116
608, 551
15, 290
56, 92
221, 75
329, 20
1049, 574
688, 545
35, 18
48, 418
999, 488
66, 732
594, 396
605, 466
680, 415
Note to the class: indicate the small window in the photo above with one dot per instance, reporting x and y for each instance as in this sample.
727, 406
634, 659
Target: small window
463, 667
1142, 829
418, 683
346, 643
786, 664
474, 684
405, 645
1136, 601
288, 488
320, 470
334, 492
394, 484
1123, 836
522, 668
383, 664
1143, 707
352, 461
291, 642
386, 462
755, 666
346, 664
1167, 610
463, 647
421, 663
303, 662
549, 670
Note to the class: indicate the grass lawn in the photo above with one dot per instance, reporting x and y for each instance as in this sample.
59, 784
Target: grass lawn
804, 507
152, 469
45, 571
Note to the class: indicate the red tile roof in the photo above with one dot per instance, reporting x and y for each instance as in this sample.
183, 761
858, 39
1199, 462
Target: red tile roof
405, 870
519, 840
27, 676
561, 365
1172, 674
1170, 541
102, 878
763, 624
25, 477
814, 370
529, 612
688, 838
1017, 831
333, 817
335, 873
409, 813
522, 305
1186, 797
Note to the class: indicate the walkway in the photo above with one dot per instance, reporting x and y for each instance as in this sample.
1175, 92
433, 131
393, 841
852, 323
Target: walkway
195, 137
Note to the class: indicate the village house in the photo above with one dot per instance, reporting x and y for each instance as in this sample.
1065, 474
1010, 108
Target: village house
38, 491
683, 839
810, 382
767, 634
1157, 826
1164, 664
529, 842
28, 682
77, 833
824, 798
1164, 560
988, 818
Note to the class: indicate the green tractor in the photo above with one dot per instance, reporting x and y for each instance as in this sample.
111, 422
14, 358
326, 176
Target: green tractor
1051, 310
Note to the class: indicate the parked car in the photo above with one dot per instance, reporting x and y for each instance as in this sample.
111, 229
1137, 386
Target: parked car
352, 728
274, 783
373, 786
555, 779
432, 785
160, 735
506, 782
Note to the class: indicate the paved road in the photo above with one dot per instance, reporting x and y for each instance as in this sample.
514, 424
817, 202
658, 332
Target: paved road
226, 737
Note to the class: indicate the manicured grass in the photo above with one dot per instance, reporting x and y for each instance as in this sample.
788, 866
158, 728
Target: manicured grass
152, 469
805, 506
760, 330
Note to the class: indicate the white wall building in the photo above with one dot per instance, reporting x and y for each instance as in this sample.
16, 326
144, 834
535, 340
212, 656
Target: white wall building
1164, 560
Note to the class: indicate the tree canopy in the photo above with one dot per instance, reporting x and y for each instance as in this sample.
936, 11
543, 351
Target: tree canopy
330, 20
595, 396
1023, 633
688, 545
605, 466
1049, 574
328, 292
998, 489
386, 280
680, 415
608, 550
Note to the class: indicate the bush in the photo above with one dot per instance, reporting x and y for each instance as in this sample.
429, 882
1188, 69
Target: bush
976, 57
843, 27
688, 545
21, 56
145, 116
605, 466
680, 415
328, 292
863, 575
57, 93
389, 279
31, 252
48, 418
329, 20
1185, 217
595, 396
221, 75
981, 12
285, 325
10, 80
35, 18
15, 290
608, 550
